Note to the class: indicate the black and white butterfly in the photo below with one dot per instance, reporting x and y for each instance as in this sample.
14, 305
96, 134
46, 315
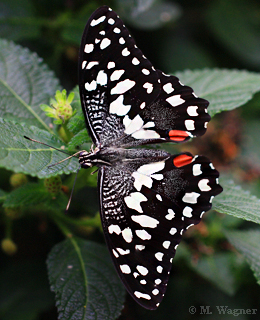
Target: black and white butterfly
148, 198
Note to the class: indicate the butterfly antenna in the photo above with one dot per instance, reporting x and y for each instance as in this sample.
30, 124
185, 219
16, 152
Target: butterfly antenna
47, 145
73, 155
68, 205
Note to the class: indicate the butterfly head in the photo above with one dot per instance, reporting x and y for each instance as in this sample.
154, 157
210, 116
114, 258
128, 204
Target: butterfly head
85, 159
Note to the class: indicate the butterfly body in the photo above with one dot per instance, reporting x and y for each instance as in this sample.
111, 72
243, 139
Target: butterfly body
148, 198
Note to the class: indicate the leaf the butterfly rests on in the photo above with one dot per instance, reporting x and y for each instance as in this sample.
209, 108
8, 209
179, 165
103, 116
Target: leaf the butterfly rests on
148, 198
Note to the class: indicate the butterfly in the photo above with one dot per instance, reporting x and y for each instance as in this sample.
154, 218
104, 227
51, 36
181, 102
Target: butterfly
148, 198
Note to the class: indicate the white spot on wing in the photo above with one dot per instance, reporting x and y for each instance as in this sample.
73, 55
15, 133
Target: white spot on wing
155, 292
89, 48
192, 111
142, 270
102, 78
146, 72
158, 196
111, 21
118, 107
135, 61
133, 201
173, 231
159, 256
125, 52
96, 22
187, 212
166, 244
123, 86
117, 74
142, 234
117, 30
190, 197
159, 269
111, 65
122, 251
147, 172
145, 221
115, 253
189, 124
175, 100
127, 234
122, 40
142, 105
196, 169
149, 87
157, 281
91, 86
142, 295
105, 43
170, 215
135, 124
168, 88
91, 64
139, 247
146, 134
114, 228
125, 268
203, 185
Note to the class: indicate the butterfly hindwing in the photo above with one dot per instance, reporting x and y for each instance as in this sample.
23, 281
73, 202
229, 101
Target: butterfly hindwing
145, 209
125, 100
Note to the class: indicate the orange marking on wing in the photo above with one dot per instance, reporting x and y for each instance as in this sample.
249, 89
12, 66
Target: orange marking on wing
178, 135
182, 160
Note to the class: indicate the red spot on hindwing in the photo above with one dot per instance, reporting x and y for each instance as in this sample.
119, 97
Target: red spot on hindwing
182, 160
178, 135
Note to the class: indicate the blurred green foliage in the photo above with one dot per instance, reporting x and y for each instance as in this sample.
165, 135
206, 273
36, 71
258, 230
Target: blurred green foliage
175, 35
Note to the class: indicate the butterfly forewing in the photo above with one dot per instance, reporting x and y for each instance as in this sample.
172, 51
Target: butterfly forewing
119, 85
112, 71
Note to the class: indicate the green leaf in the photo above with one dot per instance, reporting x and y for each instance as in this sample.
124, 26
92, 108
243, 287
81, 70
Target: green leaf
219, 270
150, 15
24, 290
251, 139
181, 52
35, 194
237, 202
247, 242
2, 195
235, 23
225, 89
17, 21
21, 155
25, 83
77, 122
29, 194
80, 138
84, 281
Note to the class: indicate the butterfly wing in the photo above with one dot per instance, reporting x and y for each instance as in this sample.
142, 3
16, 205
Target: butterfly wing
145, 209
125, 100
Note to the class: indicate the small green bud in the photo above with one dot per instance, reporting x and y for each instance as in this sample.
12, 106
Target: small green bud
8, 246
53, 184
60, 108
18, 179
